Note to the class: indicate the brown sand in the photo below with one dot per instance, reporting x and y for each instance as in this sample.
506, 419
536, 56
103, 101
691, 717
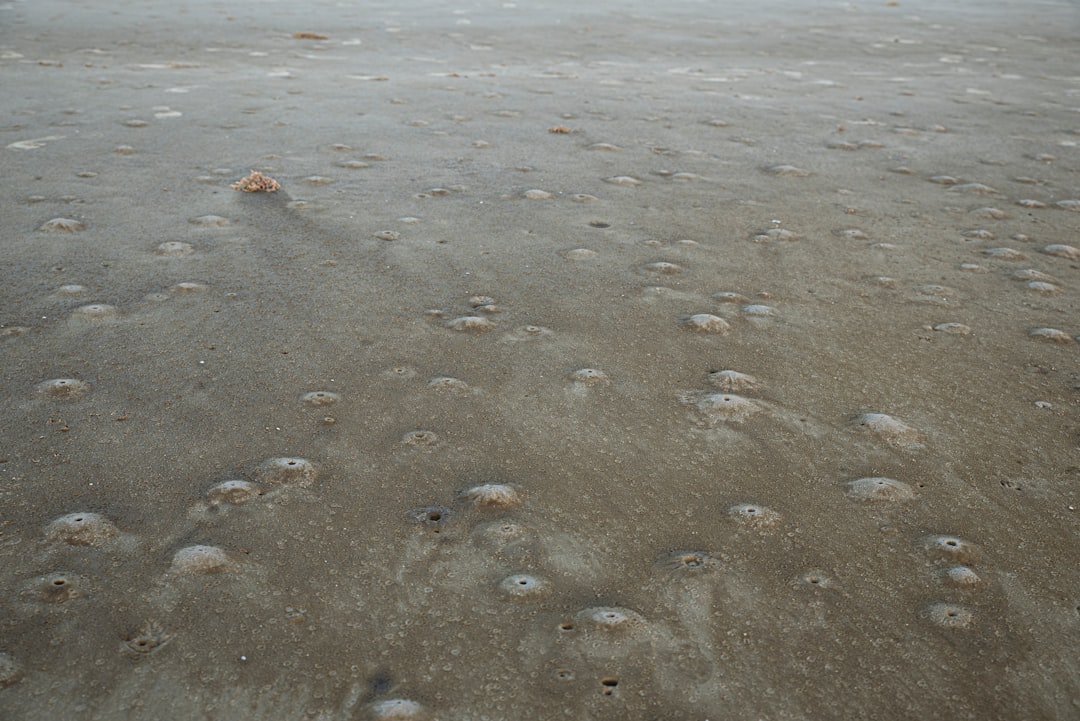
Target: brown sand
496, 224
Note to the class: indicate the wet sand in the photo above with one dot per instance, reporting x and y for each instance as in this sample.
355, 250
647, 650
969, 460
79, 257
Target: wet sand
593, 360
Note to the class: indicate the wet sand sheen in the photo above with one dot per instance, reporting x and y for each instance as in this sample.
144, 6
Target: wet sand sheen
590, 361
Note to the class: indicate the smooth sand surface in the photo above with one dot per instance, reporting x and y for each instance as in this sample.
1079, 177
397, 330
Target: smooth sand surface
609, 360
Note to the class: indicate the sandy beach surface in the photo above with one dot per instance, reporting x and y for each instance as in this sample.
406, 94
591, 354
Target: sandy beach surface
603, 361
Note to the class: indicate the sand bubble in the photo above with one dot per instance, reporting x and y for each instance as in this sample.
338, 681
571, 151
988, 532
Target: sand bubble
59, 587
949, 615
611, 619
522, 586
1042, 287
10, 669
286, 472
1030, 274
187, 287
433, 518
72, 289
64, 389
81, 529
723, 407
753, 515
891, 431
1005, 254
1062, 251
62, 225
199, 559
953, 328
689, 563
448, 384
951, 548
95, 313
961, 577
1051, 335
663, 268
234, 492
319, 398
775, 234
789, 171
210, 221
731, 381
589, 376
397, 709
471, 324
493, 497
174, 249
420, 437
876, 490
706, 323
